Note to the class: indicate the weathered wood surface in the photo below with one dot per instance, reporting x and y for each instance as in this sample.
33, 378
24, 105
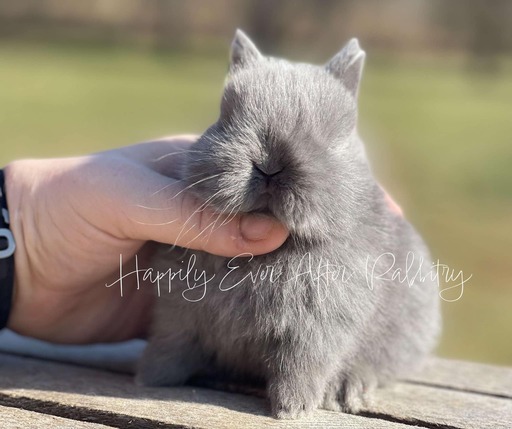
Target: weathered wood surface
448, 394
467, 376
15, 418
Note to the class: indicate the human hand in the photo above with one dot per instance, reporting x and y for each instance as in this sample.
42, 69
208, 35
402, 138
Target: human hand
72, 218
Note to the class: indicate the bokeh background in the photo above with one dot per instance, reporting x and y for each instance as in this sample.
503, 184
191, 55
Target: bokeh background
435, 107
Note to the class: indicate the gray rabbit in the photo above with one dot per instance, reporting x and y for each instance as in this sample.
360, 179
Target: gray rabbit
348, 302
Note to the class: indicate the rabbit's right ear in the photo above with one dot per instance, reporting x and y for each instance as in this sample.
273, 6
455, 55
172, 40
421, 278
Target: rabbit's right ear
243, 51
347, 66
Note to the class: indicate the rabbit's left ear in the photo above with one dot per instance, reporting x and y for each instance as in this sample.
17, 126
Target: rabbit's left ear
347, 65
243, 51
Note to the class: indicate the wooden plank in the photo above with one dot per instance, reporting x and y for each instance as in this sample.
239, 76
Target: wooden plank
437, 407
15, 418
97, 391
92, 391
121, 357
467, 376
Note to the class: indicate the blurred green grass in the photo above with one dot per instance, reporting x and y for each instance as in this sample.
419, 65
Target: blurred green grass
438, 135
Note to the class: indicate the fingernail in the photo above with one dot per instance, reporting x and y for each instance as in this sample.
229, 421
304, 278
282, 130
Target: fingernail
256, 226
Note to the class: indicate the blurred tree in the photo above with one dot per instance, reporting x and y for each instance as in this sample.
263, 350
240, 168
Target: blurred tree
483, 26
169, 19
265, 22
491, 29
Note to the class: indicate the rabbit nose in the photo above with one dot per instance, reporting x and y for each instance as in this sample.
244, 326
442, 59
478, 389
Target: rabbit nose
266, 172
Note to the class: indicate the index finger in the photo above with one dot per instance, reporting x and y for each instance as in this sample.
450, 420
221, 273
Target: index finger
165, 156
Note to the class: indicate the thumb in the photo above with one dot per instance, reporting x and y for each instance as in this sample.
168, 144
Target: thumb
174, 216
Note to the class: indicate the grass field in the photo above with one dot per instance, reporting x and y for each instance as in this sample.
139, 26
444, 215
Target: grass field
440, 139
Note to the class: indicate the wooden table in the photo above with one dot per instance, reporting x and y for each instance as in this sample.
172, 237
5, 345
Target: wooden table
36, 393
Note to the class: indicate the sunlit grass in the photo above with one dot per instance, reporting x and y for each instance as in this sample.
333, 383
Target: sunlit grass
440, 139
58, 101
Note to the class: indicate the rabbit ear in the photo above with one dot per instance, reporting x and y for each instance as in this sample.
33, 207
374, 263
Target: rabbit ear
243, 51
347, 65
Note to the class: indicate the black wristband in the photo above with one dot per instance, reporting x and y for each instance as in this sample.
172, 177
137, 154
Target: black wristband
7, 247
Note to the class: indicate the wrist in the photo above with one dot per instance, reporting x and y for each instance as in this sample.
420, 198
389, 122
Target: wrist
13, 193
7, 248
